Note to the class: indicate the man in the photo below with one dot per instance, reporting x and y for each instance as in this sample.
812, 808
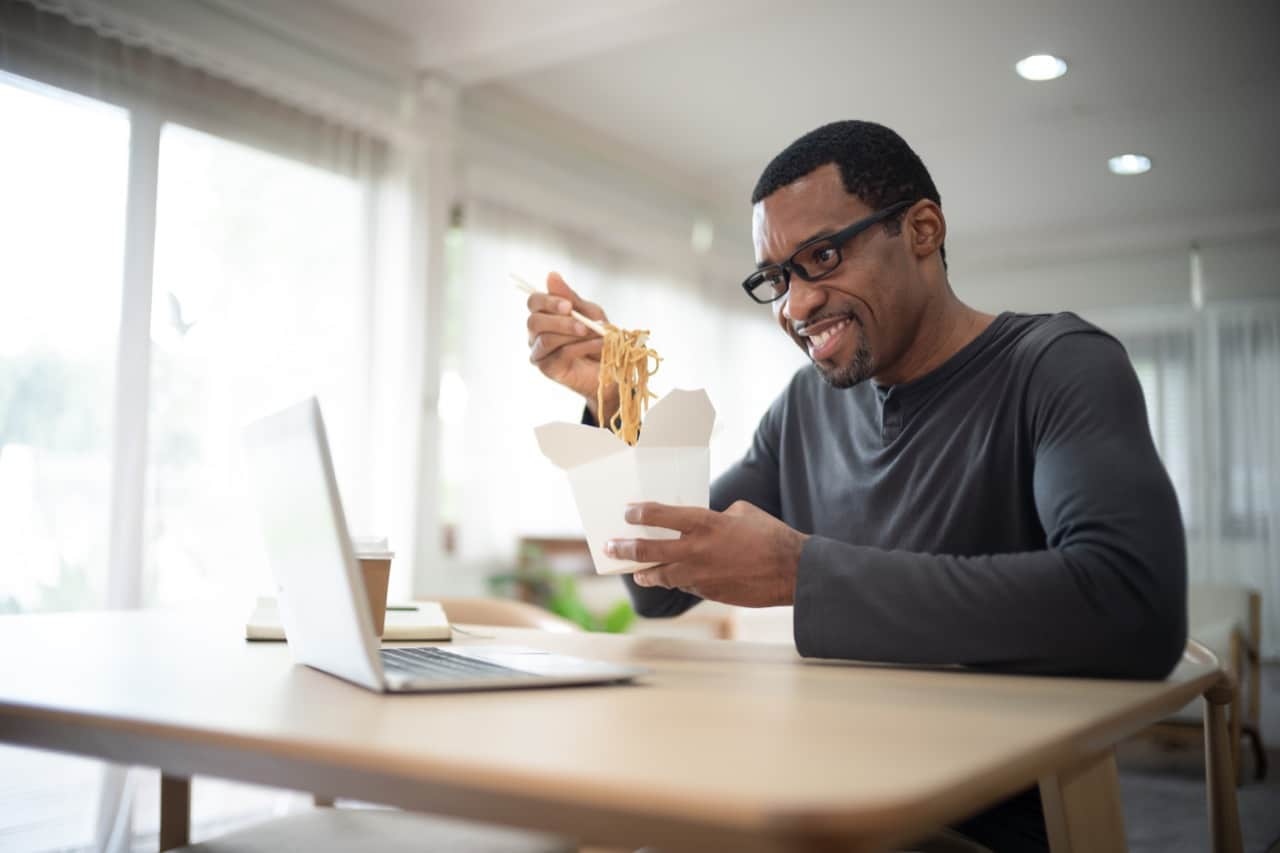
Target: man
991, 497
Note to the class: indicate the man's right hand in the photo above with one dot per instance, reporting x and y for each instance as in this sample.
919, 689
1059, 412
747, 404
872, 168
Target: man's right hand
562, 347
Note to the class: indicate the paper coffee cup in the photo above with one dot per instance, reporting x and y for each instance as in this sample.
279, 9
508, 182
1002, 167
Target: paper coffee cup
375, 566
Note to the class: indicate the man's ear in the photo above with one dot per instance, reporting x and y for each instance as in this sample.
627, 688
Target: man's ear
926, 228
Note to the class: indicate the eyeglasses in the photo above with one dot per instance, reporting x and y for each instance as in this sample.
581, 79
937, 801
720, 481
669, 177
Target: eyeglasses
814, 260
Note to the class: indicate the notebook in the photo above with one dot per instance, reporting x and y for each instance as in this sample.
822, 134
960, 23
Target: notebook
427, 621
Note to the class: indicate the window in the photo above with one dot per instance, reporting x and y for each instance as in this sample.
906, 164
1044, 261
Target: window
63, 166
260, 294
257, 301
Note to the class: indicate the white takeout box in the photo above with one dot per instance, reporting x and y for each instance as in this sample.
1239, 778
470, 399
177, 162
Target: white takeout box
670, 464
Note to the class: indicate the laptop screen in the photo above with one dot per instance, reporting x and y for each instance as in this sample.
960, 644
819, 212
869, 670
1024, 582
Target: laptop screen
317, 579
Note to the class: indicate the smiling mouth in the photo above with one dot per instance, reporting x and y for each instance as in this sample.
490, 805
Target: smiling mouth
823, 343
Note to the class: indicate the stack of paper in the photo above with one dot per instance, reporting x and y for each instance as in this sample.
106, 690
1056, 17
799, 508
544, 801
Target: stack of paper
420, 620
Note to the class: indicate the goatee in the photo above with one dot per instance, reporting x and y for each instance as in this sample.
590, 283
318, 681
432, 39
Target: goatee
857, 370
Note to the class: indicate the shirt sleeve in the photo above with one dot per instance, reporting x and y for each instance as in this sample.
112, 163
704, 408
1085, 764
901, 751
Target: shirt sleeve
753, 478
1106, 598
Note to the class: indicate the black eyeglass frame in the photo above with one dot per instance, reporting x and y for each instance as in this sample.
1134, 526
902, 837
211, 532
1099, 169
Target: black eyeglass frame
837, 240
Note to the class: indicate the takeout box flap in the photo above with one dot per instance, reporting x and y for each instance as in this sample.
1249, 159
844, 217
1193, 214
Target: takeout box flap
680, 419
571, 445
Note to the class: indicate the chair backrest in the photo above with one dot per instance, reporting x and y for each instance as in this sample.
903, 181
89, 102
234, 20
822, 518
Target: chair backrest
1217, 603
503, 613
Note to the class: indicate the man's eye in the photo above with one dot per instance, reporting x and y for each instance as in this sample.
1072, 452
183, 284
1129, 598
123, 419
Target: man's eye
823, 255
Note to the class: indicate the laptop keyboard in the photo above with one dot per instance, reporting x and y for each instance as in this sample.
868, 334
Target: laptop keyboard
440, 665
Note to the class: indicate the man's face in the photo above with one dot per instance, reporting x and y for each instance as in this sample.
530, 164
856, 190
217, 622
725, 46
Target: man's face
853, 323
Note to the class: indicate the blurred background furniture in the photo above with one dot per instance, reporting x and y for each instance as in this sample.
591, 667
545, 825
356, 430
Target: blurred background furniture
557, 573
1227, 619
504, 612
382, 830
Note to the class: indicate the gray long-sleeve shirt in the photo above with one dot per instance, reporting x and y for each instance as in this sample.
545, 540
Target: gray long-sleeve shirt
1006, 511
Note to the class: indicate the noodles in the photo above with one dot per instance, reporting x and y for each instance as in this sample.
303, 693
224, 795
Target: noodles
625, 361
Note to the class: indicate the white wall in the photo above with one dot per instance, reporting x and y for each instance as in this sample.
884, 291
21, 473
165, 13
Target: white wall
519, 158
1151, 278
1246, 269
1114, 282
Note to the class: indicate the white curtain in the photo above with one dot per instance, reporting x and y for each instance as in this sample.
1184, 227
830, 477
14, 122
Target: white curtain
1165, 360
499, 487
1242, 544
1212, 385
251, 278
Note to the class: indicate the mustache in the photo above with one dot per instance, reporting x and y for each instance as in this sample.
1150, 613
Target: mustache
799, 328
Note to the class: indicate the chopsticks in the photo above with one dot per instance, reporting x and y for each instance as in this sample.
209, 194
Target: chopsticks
594, 326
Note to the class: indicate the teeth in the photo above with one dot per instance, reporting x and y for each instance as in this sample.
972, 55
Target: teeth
819, 340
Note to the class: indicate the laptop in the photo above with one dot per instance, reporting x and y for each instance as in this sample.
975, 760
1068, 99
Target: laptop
322, 600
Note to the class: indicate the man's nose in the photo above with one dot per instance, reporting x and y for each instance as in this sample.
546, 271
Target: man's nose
803, 298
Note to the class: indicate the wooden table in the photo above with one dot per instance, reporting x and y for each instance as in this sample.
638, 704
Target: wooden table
726, 746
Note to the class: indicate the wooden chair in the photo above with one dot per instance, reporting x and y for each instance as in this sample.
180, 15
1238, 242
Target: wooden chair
1219, 764
1227, 620
504, 613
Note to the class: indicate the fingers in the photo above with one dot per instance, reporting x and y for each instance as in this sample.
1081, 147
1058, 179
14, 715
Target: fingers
682, 518
671, 576
647, 550
744, 508
547, 346
562, 345
546, 303
552, 331
656, 576
590, 309
557, 324
557, 287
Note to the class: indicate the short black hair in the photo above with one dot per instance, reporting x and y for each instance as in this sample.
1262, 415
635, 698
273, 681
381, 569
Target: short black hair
876, 165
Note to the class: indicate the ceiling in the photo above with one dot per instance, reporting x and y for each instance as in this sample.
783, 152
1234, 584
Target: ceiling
706, 91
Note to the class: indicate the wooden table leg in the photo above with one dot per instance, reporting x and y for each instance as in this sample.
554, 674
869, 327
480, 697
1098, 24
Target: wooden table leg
175, 812
1219, 769
1082, 808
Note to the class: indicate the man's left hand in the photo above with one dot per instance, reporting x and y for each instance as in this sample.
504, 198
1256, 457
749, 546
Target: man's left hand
740, 556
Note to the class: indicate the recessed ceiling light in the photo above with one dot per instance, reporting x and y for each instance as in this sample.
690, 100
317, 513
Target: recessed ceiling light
1041, 66
1129, 164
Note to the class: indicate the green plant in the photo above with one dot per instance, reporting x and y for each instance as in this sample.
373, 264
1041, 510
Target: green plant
534, 581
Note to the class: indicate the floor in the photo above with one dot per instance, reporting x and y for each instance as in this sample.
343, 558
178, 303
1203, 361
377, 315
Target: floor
1164, 803
1162, 785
